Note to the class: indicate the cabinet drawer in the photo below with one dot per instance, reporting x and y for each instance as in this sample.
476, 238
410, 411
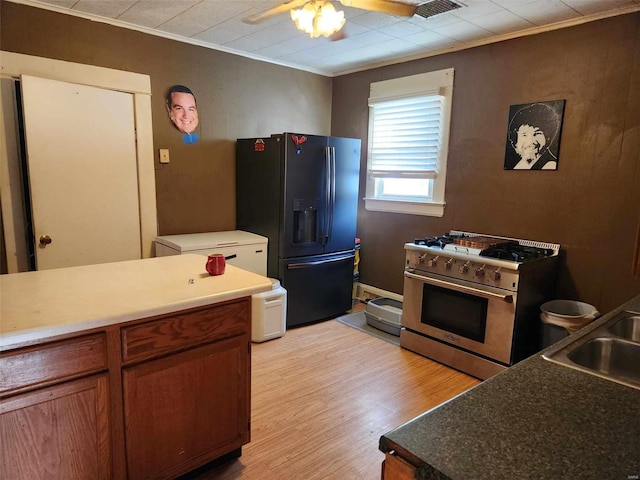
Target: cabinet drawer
50, 363
183, 330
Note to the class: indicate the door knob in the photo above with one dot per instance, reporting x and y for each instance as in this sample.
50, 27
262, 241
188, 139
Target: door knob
45, 240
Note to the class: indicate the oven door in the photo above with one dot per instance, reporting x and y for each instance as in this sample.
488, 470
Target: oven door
476, 318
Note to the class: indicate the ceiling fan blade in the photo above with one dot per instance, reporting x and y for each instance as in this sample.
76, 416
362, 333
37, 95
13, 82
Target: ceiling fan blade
384, 6
285, 7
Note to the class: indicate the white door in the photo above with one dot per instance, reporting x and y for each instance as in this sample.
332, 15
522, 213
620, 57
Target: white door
83, 180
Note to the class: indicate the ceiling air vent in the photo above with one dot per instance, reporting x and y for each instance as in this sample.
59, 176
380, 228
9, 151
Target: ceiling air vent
436, 7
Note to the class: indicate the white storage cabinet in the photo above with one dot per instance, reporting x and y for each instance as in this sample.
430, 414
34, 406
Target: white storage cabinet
244, 250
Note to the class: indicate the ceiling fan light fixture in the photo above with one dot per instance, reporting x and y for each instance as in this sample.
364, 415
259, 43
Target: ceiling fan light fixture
318, 18
303, 17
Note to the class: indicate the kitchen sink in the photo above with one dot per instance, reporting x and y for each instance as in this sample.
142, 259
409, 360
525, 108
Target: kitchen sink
628, 327
610, 351
609, 357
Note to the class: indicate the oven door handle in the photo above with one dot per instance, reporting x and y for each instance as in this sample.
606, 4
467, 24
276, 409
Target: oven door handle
460, 288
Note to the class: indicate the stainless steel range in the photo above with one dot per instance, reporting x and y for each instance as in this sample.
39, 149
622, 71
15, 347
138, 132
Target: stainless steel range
471, 301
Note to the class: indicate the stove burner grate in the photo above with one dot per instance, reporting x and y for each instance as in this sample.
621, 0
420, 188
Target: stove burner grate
439, 241
509, 251
516, 253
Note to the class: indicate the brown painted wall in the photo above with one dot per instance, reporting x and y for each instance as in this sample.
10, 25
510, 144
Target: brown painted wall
590, 205
237, 98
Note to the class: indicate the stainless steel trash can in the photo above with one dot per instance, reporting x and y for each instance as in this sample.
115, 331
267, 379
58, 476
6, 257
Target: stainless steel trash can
560, 318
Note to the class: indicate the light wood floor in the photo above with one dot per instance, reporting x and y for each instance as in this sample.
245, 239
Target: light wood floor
322, 396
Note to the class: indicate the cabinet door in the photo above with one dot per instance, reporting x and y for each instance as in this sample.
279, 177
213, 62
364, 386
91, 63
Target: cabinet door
57, 432
186, 409
395, 468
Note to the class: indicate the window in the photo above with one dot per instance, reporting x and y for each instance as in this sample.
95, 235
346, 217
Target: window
408, 143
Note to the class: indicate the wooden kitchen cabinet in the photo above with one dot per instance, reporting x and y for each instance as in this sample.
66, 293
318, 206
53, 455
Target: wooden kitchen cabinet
176, 387
54, 411
142, 371
61, 431
184, 409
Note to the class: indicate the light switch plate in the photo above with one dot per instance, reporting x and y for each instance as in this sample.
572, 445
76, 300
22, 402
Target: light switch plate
164, 155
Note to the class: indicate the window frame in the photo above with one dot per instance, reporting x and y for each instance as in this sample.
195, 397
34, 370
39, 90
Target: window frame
431, 83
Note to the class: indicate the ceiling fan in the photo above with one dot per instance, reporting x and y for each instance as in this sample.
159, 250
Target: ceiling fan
391, 7
310, 15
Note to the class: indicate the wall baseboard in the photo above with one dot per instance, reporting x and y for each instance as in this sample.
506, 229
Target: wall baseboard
366, 292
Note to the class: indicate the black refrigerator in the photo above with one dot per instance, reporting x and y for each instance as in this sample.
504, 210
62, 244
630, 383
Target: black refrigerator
301, 192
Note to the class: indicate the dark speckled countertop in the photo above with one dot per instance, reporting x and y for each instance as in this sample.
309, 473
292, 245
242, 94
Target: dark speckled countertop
536, 420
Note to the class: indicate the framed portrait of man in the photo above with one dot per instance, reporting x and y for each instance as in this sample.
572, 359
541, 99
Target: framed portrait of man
533, 136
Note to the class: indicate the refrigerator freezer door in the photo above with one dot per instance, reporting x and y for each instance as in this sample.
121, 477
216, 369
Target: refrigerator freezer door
345, 164
305, 208
318, 287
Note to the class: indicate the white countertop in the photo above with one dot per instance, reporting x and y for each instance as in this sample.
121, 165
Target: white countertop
49, 303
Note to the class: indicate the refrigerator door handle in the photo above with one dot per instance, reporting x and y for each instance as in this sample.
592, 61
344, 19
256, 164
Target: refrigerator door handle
332, 192
293, 266
327, 195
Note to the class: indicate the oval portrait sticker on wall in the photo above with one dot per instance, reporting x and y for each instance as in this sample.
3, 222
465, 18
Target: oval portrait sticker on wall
183, 111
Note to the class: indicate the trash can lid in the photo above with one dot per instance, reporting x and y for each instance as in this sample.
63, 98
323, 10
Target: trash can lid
569, 309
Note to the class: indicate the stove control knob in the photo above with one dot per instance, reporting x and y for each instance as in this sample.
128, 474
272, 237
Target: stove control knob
422, 257
480, 272
448, 264
496, 275
464, 268
433, 262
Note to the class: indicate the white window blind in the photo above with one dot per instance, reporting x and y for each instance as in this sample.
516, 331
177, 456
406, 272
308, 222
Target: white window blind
409, 119
406, 137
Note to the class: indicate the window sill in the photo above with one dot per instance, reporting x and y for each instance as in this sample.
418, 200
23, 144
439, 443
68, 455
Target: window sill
431, 209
